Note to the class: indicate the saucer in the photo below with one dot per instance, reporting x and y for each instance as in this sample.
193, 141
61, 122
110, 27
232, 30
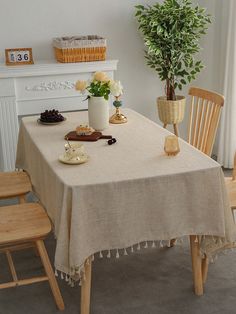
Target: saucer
51, 123
82, 159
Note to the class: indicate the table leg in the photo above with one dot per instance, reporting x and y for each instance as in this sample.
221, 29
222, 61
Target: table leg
176, 129
86, 288
196, 265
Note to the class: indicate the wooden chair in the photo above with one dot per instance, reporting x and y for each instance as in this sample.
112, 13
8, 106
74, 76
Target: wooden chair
205, 113
23, 226
15, 184
204, 118
230, 183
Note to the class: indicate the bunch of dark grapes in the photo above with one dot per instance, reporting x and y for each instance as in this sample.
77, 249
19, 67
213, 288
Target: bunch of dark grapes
51, 116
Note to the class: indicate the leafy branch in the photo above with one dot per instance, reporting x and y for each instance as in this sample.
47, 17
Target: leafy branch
99, 89
171, 33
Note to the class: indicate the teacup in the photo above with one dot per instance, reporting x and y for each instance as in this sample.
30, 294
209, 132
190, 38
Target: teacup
74, 151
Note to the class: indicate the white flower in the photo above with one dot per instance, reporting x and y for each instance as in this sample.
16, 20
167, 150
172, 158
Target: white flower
116, 88
101, 76
81, 86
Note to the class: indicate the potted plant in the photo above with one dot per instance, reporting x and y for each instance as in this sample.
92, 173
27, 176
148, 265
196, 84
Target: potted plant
99, 88
171, 32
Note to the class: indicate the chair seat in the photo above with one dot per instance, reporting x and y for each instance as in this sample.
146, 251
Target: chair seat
231, 188
14, 183
23, 222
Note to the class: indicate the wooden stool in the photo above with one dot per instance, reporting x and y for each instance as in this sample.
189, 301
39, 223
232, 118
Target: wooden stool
22, 226
14, 184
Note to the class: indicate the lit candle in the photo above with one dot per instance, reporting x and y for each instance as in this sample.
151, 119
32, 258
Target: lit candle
171, 145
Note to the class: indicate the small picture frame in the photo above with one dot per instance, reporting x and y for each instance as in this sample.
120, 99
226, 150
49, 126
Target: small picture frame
19, 56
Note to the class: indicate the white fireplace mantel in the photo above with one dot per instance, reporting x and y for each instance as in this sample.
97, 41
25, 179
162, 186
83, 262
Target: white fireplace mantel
31, 89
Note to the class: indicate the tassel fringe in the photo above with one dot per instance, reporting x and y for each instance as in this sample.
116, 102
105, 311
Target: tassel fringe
78, 273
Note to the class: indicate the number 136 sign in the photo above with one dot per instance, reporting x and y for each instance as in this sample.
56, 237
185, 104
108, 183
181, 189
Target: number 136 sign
18, 56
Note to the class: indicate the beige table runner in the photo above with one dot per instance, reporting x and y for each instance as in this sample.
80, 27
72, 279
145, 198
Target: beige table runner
127, 193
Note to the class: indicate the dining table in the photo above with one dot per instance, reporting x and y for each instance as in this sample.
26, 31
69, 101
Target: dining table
127, 196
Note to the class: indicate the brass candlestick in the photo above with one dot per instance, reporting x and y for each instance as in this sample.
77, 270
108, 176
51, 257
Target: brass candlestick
118, 117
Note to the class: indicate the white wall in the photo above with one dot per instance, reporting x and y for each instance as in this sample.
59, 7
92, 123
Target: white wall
32, 23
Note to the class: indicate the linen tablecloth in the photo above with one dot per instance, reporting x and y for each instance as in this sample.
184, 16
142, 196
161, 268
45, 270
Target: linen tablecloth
128, 193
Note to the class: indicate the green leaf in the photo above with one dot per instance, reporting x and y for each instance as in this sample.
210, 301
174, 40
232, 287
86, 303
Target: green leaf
138, 13
141, 7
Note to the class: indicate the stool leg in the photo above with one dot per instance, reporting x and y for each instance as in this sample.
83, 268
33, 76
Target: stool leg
51, 277
196, 265
176, 129
86, 288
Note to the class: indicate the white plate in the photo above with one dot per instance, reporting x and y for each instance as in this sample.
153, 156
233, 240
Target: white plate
50, 123
82, 160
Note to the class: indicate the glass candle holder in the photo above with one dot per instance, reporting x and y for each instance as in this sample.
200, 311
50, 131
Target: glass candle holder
171, 146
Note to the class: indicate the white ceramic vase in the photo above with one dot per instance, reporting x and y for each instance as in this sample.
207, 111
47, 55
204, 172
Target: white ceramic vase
98, 113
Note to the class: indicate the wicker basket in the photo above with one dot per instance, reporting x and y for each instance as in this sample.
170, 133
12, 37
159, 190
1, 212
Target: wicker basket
171, 111
80, 48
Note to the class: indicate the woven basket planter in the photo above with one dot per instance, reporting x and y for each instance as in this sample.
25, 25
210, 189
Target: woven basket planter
80, 48
171, 111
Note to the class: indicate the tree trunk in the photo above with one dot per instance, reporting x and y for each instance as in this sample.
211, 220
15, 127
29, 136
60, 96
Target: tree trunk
170, 91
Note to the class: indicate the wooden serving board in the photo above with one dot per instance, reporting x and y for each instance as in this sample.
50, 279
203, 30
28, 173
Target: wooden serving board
72, 136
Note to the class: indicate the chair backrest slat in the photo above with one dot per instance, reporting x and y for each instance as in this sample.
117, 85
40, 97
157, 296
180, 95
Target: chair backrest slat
195, 123
204, 118
213, 129
190, 120
199, 124
204, 125
209, 121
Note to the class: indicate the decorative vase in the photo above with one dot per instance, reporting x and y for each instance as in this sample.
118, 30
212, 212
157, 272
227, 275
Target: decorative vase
98, 113
171, 111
